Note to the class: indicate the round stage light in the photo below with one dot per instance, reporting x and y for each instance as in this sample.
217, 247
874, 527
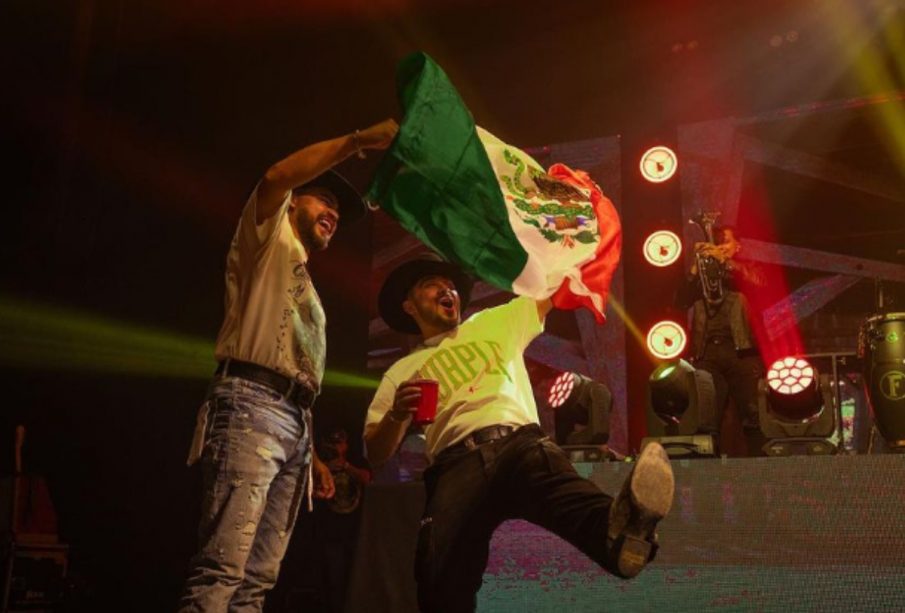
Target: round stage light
662, 248
790, 375
666, 339
793, 390
658, 164
561, 389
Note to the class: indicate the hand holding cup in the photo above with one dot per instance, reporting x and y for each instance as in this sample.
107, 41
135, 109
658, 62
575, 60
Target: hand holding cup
416, 398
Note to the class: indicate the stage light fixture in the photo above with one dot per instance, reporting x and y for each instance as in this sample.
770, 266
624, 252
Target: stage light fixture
662, 248
792, 386
561, 389
681, 410
796, 409
666, 340
659, 164
580, 401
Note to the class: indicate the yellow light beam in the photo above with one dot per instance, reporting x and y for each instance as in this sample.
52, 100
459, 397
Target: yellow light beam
632, 328
857, 41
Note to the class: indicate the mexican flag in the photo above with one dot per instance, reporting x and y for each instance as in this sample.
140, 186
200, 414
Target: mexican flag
489, 206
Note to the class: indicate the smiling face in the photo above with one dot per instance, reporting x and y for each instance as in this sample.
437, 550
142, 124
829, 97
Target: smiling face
314, 213
433, 303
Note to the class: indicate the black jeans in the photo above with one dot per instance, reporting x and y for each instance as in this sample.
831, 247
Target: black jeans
469, 493
735, 376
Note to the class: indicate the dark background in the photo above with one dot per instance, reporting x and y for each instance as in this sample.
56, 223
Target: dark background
133, 131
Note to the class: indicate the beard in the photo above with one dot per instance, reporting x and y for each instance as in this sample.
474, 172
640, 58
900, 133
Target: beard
314, 241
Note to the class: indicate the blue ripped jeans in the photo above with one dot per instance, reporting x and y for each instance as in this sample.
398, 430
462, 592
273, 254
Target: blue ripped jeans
255, 467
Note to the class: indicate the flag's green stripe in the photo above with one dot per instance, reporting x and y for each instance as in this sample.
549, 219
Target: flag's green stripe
437, 181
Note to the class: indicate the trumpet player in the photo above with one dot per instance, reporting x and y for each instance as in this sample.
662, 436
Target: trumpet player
722, 342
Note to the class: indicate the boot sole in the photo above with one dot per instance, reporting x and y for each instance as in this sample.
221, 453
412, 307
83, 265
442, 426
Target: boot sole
653, 484
651, 490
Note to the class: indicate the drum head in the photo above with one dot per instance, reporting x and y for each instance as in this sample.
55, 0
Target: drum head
882, 339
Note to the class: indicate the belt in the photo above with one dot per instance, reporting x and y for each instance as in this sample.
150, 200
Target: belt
479, 437
298, 393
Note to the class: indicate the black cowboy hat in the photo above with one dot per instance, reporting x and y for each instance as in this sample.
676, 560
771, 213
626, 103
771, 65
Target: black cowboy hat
352, 206
398, 283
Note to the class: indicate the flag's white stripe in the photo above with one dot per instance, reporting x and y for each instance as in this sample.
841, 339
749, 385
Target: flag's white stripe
549, 263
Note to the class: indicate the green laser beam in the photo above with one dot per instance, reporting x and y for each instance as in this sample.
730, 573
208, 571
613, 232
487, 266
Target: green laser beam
49, 337
336, 378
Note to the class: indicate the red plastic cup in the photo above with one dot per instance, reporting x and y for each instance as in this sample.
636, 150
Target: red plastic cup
427, 405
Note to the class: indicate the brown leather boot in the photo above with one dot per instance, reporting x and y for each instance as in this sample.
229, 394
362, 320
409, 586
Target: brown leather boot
645, 498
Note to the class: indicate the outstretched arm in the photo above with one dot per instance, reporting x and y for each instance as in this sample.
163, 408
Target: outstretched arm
309, 162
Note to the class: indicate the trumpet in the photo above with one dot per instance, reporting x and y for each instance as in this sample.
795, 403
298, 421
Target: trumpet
710, 270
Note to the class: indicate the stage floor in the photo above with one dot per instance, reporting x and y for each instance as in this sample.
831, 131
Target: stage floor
765, 534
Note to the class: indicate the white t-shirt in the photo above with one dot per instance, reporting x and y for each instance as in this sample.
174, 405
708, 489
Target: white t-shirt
274, 316
481, 371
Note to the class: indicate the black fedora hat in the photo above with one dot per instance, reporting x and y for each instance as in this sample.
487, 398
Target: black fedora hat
398, 283
352, 206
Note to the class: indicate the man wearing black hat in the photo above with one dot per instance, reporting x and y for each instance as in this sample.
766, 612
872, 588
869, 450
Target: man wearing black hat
490, 461
254, 431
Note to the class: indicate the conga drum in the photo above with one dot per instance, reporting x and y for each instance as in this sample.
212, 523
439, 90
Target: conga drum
881, 346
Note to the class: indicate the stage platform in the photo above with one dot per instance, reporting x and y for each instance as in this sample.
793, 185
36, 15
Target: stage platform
764, 534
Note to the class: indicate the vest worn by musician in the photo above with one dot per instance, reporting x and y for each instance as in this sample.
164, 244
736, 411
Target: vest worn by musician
737, 307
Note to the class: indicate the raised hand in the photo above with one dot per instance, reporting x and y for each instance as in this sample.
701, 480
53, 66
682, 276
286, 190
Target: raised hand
378, 136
